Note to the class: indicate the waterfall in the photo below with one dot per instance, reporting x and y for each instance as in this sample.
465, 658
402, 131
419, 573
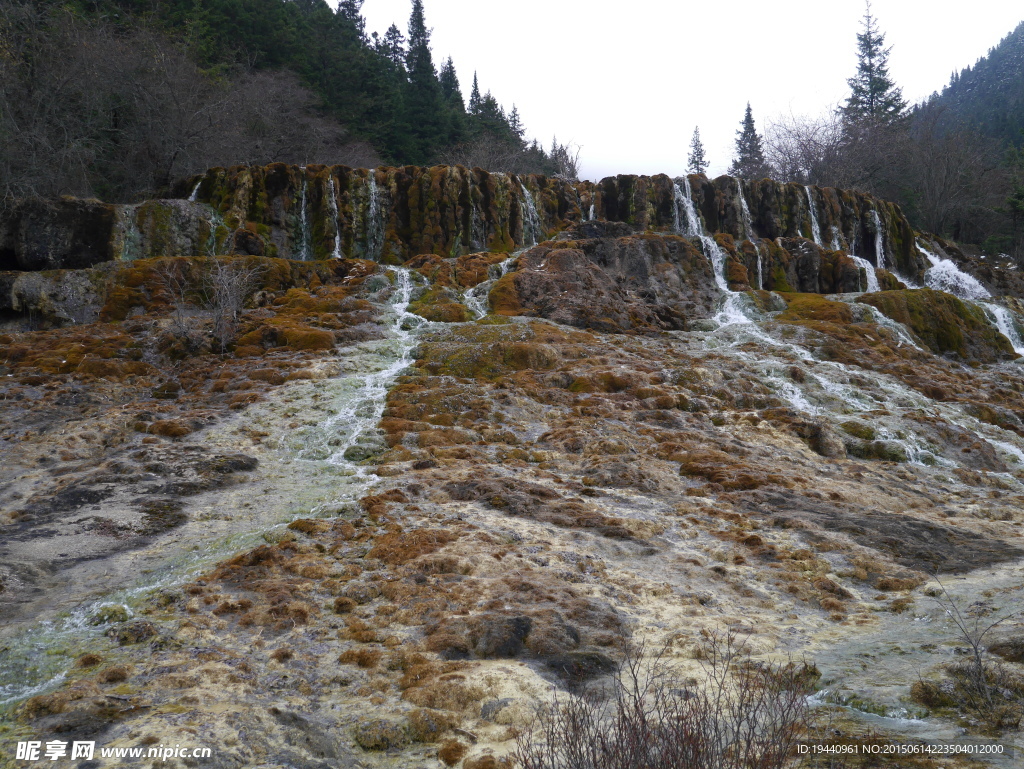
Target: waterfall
944, 275
748, 231
351, 434
879, 240
1003, 321
127, 238
815, 229
695, 228
304, 221
374, 227
836, 243
748, 222
334, 213
475, 298
593, 213
195, 191
531, 221
869, 270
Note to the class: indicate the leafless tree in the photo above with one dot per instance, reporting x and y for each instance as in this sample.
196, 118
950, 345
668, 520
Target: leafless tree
228, 282
89, 108
172, 277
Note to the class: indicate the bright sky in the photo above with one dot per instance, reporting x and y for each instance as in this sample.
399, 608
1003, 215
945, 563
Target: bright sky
628, 81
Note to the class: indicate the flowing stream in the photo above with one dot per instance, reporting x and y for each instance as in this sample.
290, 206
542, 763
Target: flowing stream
313, 468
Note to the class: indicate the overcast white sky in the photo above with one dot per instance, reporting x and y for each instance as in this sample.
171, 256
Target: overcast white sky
628, 81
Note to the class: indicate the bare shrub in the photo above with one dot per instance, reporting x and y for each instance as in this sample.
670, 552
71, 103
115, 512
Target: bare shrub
742, 715
228, 283
172, 277
985, 687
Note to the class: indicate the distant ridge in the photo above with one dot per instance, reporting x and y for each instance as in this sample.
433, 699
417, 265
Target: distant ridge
990, 95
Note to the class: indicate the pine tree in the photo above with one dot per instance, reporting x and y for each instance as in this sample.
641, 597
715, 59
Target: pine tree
449, 81
474, 98
697, 162
426, 113
351, 11
392, 46
874, 97
749, 162
516, 123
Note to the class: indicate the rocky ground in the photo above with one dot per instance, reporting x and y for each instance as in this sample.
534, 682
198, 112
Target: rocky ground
197, 549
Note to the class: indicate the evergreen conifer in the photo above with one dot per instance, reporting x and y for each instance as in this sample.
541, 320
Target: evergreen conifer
874, 97
696, 162
749, 162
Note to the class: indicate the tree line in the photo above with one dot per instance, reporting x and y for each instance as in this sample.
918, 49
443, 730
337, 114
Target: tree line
118, 98
958, 173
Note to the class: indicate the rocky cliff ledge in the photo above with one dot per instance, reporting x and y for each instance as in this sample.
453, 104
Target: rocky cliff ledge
392, 214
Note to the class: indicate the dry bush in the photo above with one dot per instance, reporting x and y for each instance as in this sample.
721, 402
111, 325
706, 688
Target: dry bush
741, 716
227, 285
985, 688
171, 276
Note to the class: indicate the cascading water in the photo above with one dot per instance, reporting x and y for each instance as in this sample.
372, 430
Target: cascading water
317, 470
593, 213
350, 435
869, 272
836, 242
695, 229
815, 229
304, 221
944, 275
374, 228
334, 218
1003, 320
195, 192
748, 231
531, 220
475, 298
879, 240
748, 221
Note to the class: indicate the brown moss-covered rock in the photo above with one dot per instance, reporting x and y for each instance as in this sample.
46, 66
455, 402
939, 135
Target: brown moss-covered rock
944, 323
626, 284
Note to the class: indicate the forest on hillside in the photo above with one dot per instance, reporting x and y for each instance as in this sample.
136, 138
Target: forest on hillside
954, 162
118, 98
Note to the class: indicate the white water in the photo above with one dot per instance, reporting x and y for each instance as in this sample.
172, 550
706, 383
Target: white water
195, 192
334, 217
375, 222
944, 275
879, 240
748, 222
815, 229
869, 271
836, 242
1003, 320
885, 321
748, 232
593, 212
350, 434
304, 222
695, 229
531, 221
475, 298
321, 465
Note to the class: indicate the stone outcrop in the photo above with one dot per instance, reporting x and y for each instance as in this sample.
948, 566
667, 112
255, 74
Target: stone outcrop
628, 283
391, 215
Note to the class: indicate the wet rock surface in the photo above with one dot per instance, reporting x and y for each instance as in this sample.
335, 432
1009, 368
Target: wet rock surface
371, 527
